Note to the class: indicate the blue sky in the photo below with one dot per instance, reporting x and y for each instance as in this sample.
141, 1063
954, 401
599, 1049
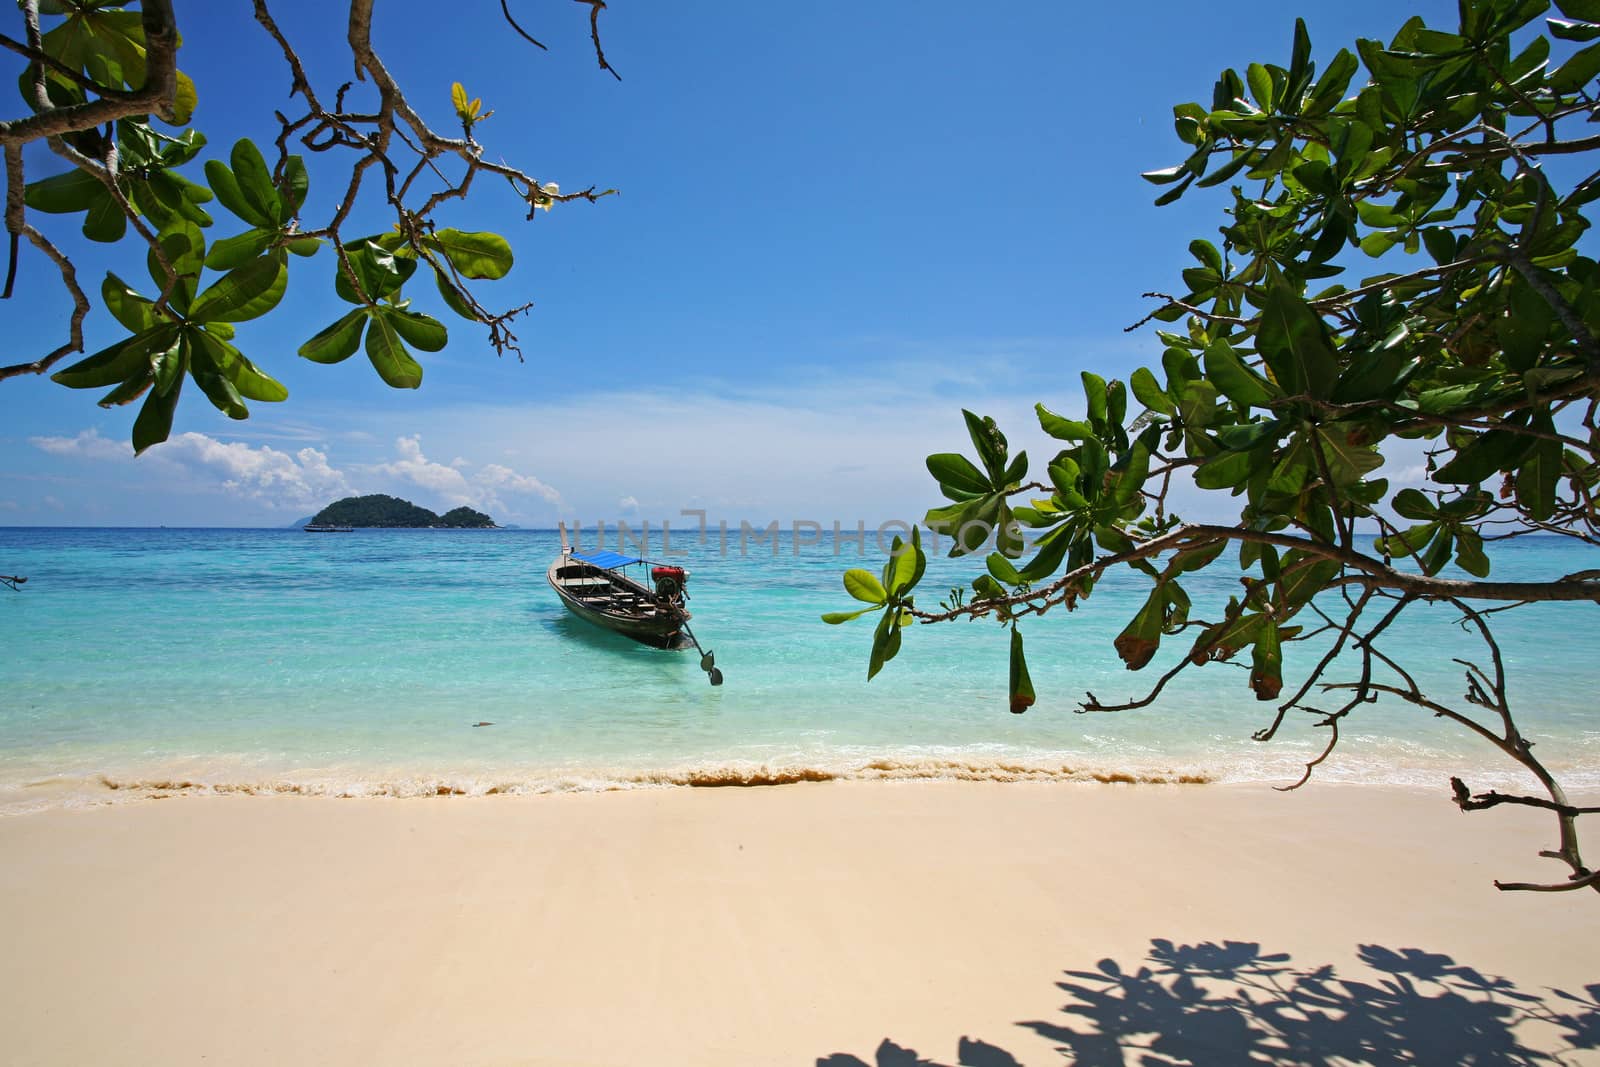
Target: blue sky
838, 225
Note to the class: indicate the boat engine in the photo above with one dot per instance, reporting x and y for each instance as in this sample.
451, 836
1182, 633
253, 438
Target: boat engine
669, 581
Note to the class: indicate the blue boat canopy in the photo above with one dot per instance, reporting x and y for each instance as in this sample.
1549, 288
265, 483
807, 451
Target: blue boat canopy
605, 559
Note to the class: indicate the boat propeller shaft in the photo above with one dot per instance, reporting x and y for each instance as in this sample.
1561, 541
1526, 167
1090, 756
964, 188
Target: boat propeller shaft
708, 660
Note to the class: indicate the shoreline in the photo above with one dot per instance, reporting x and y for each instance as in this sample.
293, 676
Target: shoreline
797, 925
49, 789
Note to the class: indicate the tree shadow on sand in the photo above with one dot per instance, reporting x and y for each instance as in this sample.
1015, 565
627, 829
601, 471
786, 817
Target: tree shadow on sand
1210, 1005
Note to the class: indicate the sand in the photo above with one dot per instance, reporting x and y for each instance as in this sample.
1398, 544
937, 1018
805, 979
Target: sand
843, 922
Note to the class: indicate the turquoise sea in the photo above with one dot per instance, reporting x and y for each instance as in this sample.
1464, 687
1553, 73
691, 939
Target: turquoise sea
138, 662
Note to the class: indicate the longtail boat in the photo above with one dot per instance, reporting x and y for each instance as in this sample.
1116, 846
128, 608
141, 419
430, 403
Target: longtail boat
599, 587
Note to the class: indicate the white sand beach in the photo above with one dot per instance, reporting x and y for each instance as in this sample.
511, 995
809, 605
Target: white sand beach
845, 923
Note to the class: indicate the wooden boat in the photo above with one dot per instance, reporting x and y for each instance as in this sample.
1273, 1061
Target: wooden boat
597, 587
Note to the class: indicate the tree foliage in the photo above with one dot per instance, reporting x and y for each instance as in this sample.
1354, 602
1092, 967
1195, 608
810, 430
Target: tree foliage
102, 88
1403, 260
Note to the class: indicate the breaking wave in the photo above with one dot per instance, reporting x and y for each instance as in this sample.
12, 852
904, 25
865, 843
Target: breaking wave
60, 791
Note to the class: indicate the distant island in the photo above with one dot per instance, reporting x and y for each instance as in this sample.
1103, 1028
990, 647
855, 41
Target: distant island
389, 512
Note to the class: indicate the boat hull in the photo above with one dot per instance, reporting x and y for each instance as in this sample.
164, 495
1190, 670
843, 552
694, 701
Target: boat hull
612, 602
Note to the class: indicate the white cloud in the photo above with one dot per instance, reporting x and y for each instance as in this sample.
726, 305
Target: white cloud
419, 470
495, 476
87, 445
480, 489
275, 478
305, 479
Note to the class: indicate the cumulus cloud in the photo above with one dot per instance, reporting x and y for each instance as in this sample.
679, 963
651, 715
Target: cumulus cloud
419, 470
277, 479
455, 485
494, 476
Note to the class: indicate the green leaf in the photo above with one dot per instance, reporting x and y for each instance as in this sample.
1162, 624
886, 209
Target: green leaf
834, 618
1247, 435
474, 254
338, 342
1407, 542
1149, 392
184, 99
231, 252
1412, 504
1469, 553
1347, 463
1061, 428
1266, 664
1222, 640
166, 197
1094, 392
1003, 569
956, 471
453, 298
232, 197
1194, 559
885, 642
185, 248
115, 363
250, 380
1131, 478
244, 293
1486, 455
296, 183
1302, 580
61, 194
1260, 83
105, 221
864, 586
423, 331
1579, 69
170, 365
906, 565
154, 423
132, 310
218, 389
1138, 641
1537, 478
1237, 381
389, 356
1225, 470
1573, 31
990, 443
1437, 554
255, 182
380, 271
1021, 686
1294, 343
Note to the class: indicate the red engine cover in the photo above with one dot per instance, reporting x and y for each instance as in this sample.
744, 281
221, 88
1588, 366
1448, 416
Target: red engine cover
659, 573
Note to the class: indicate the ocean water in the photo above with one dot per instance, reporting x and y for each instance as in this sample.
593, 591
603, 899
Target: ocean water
147, 662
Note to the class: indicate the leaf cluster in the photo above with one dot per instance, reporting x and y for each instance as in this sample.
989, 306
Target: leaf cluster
130, 181
1281, 381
